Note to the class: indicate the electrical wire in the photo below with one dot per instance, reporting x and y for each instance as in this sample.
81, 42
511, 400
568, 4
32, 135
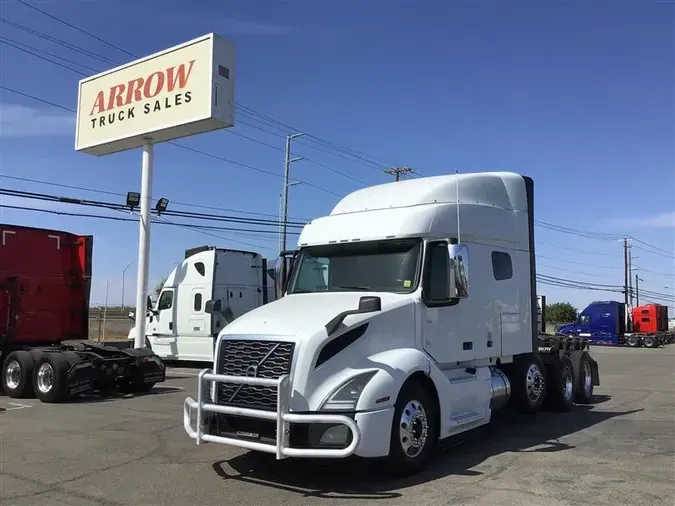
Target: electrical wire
246, 110
182, 146
123, 207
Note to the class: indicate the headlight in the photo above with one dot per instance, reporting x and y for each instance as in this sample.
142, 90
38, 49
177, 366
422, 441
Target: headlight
347, 395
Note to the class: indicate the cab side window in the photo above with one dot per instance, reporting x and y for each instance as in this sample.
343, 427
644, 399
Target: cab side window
165, 300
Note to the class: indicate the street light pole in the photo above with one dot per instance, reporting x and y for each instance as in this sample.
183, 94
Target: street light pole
124, 271
284, 206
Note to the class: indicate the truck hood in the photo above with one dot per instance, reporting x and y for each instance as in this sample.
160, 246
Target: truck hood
305, 314
567, 328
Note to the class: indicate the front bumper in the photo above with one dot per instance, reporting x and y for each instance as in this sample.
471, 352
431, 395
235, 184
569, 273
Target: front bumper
282, 416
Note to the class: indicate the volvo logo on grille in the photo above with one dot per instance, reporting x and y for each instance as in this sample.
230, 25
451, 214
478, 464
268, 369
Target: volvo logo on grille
252, 371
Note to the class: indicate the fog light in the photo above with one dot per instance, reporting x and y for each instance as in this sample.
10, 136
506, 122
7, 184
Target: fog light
336, 435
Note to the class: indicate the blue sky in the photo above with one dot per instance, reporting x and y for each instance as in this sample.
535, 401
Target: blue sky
576, 94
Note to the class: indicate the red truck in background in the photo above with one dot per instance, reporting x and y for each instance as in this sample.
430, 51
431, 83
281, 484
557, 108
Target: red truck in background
652, 318
45, 284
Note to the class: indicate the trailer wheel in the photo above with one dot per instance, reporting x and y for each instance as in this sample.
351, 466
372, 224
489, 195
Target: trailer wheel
528, 384
560, 384
414, 430
583, 377
649, 342
17, 374
49, 378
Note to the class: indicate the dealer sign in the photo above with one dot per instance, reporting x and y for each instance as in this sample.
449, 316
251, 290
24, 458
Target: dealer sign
185, 90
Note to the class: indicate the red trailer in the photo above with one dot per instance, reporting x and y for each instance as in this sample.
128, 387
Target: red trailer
45, 282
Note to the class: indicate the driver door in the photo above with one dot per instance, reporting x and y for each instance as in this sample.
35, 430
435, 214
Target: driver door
162, 327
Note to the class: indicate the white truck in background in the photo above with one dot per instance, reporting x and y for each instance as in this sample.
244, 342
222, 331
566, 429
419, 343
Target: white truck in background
406, 316
202, 295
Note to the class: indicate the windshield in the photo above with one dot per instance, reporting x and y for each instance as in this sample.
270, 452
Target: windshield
378, 266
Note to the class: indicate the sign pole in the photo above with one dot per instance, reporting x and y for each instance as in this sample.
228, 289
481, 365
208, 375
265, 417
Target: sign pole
144, 244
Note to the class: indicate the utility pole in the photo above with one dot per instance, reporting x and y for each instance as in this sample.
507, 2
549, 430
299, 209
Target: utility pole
124, 271
626, 276
630, 273
284, 197
637, 292
397, 171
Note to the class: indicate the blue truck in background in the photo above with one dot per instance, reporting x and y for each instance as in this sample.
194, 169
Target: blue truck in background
605, 322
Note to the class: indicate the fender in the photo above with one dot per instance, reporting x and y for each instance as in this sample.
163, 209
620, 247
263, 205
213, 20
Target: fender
395, 367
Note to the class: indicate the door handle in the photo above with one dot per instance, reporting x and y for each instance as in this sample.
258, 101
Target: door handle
467, 345
170, 325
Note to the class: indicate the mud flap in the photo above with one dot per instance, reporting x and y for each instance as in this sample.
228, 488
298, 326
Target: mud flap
595, 372
150, 369
81, 378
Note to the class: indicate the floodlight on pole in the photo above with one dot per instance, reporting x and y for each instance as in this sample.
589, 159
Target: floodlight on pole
161, 205
133, 199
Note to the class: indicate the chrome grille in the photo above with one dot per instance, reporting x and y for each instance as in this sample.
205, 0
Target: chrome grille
262, 359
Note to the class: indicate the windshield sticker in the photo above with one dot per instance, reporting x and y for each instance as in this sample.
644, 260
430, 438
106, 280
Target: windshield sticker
407, 283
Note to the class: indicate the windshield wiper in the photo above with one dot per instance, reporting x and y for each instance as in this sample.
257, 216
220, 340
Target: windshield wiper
355, 287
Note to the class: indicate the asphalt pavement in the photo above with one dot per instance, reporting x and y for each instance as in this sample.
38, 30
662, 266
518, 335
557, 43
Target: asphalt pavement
134, 451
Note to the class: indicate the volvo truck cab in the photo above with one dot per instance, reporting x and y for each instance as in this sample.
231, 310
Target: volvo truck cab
407, 315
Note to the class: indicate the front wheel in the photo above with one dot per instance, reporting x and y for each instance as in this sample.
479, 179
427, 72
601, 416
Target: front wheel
414, 431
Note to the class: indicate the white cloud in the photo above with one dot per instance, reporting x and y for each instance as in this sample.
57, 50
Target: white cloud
662, 220
21, 121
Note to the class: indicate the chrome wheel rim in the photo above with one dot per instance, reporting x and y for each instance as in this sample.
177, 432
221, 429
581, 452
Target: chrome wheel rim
413, 429
534, 383
45, 377
13, 375
588, 377
568, 385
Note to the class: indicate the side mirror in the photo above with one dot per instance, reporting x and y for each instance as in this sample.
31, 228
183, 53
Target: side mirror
282, 273
370, 304
458, 276
148, 303
213, 306
132, 316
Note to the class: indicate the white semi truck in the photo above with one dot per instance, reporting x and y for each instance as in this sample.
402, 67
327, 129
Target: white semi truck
408, 315
178, 326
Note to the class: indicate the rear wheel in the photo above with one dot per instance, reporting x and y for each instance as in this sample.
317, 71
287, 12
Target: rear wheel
649, 342
17, 374
50, 378
414, 431
583, 377
632, 341
560, 384
528, 384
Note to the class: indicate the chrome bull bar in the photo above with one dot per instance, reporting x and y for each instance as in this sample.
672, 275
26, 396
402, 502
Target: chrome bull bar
282, 416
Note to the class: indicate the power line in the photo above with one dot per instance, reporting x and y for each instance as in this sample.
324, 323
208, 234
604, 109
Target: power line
173, 202
249, 110
42, 51
123, 207
182, 146
119, 218
55, 18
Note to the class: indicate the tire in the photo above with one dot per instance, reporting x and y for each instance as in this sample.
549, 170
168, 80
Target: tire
583, 377
50, 378
560, 385
528, 384
633, 341
414, 406
649, 342
17, 374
